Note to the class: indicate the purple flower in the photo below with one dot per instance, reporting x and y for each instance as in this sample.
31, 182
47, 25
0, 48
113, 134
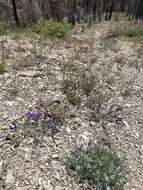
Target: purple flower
32, 115
12, 126
45, 114
56, 123
119, 120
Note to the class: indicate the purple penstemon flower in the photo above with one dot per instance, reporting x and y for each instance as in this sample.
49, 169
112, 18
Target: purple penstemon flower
32, 115
45, 114
12, 127
119, 120
56, 123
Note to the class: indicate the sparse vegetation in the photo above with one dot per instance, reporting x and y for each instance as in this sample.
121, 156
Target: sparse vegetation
80, 91
107, 44
2, 29
2, 58
83, 87
51, 28
132, 31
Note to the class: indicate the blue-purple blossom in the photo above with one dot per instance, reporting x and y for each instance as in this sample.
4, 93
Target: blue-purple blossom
12, 126
32, 115
119, 120
46, 114
56, 123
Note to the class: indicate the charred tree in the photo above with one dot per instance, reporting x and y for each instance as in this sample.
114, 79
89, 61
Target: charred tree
15, 13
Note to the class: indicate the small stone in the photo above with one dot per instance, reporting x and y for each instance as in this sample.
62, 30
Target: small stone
29, 73
68, 130
58, 187
54, 156
10, 178
49, 186
57, 177
1, 163
28, 154
126, 124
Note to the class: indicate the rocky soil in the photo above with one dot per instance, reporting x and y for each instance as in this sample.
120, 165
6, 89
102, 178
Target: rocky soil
32, 80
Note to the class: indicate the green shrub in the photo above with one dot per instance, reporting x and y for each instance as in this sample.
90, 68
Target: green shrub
99, 167
51, 28
39, 26
116, 32
2, 28
129, 32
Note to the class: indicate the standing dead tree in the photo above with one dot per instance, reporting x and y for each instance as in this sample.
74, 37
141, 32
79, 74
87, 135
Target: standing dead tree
73, 10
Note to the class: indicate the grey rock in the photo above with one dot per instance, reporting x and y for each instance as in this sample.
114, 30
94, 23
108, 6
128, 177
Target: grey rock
29, 73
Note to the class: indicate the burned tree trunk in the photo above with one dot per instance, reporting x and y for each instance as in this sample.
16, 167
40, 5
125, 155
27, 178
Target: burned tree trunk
15, 12
122, 5
36, 10
111, 9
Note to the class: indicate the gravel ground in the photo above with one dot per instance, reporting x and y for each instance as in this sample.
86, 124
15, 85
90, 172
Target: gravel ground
30, 82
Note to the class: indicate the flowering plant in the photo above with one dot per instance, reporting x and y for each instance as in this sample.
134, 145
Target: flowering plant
35, 124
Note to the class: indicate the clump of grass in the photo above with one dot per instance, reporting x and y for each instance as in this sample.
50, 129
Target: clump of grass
51, 28
100, 168
70, 87
2, 68
2, 29
14, 88
107, 44
3, 59
133, 31
87, 82
18, 32
82, 87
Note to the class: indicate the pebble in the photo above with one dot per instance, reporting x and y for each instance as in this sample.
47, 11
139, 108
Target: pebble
10, 178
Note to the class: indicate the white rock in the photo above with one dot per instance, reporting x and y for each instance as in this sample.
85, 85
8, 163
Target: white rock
126, 124
68, 130
10, 178
28, 154
54, 156
29, 73
49, 186
1, 163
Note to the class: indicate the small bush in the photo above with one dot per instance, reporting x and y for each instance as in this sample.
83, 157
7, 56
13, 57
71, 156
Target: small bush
129, 32
82, 87
51, 28
87, 83
99, 167
70, 87
2, 29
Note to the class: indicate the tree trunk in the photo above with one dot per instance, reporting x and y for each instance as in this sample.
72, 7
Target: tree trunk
15, 13
36, 11
122, 5
111, 9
